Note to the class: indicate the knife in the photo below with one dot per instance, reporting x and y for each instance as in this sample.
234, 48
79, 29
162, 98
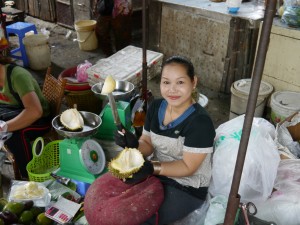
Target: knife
114, 111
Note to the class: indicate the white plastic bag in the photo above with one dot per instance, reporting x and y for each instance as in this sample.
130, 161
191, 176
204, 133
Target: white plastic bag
216, 211
285, 141
283, 206
261, 162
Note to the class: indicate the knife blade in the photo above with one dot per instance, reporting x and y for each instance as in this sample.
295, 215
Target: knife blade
114, 111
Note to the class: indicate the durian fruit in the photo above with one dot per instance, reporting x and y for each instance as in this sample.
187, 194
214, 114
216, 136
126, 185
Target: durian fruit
109, 85
128, 162
71, 119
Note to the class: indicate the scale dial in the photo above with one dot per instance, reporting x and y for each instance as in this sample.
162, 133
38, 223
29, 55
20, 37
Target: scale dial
92, 156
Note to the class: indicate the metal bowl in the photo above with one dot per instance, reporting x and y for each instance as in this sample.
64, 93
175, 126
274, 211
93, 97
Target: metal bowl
123, 90
91, 124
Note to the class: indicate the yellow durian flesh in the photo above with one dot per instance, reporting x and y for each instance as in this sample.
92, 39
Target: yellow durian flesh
109, 85
128, 162
71, 119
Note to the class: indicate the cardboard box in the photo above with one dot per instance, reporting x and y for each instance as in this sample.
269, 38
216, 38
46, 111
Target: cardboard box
126, 64
294, 130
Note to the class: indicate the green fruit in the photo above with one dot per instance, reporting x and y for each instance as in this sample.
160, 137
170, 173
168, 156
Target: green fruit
28, 204
26, 217
41, 219
36, 211
14, 207
3, 202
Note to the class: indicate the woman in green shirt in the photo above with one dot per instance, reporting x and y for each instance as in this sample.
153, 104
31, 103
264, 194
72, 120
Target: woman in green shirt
21, 93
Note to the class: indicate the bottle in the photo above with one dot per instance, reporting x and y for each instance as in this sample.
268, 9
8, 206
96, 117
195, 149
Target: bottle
139, 119
3, 40
233, 6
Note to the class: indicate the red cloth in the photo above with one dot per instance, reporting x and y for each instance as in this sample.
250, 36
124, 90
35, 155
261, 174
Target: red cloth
109, 201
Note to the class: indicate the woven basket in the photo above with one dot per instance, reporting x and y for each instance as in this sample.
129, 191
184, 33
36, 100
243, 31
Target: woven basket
85, 101
41, 166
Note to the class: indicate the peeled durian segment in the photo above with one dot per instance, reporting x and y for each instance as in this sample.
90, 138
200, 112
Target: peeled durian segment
71, 119
109, 85
128, 162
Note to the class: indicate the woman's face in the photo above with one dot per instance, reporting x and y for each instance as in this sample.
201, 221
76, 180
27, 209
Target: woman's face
176, 86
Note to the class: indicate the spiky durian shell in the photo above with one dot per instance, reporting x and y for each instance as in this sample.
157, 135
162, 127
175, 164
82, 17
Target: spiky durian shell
71, 119
127, 162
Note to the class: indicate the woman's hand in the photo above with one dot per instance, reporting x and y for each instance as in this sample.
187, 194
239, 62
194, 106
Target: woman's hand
145, 172
125, 138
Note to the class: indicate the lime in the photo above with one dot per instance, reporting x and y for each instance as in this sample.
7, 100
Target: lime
26, 217
14, 207
41, 219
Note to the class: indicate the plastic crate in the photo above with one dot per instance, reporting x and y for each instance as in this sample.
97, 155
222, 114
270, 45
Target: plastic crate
126, 64
41, 166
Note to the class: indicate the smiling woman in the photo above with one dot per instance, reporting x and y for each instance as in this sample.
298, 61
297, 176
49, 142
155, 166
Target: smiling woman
178, 137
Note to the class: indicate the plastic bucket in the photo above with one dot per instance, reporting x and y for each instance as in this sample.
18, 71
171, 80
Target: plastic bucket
37, 51
239, 97
86, 35
284, 104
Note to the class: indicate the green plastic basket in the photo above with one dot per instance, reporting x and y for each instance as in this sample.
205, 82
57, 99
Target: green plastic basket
44, 163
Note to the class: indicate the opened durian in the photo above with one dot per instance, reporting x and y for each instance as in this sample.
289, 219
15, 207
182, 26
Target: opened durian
128, 162
109, 85
71, 119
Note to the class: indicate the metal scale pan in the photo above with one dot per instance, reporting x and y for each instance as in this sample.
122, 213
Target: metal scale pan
124, 90
91, 124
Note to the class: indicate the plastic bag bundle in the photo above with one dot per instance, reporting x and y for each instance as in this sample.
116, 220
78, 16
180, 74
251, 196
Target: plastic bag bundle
81, 73
258, 177
291, 13
283, 206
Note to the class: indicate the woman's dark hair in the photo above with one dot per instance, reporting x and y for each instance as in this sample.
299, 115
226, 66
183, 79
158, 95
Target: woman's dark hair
185, 62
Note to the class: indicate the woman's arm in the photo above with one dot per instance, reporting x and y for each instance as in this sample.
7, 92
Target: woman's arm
182, 168
32, 112
145, 145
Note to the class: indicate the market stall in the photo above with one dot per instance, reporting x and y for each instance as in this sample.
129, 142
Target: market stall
221, 45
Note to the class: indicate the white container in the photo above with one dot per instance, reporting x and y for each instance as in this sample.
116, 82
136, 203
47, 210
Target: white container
86, 35
37, 51
284, 104
203, 100
233, 6
239, 97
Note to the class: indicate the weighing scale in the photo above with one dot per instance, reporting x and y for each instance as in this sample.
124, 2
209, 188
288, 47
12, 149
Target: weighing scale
81, 157
122, 94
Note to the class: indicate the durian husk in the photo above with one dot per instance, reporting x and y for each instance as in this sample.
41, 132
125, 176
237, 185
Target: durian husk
127, 162
109, 85
71, 119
